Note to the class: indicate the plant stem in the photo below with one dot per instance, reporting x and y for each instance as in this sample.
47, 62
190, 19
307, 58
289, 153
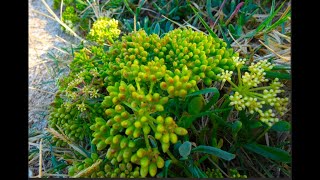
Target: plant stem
260, 88
264, 132
174, 160
239, 77
147, 141
178, 163
138, 85
151, 87
232, 84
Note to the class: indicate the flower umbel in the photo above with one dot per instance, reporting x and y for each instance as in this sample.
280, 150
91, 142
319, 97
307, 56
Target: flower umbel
250, 94
104, 30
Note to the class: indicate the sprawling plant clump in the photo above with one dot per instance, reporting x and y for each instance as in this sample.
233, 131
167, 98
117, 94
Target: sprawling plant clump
115, 98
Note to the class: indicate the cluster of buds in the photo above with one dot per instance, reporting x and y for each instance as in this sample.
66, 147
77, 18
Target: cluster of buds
216, 173
179, 83
70, 18
235, 174
204, 55
104, 30
213, 173
253, 95
167, 131
88, 168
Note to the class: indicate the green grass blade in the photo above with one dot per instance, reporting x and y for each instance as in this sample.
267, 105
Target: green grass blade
128, 7
264, 23
141, 3
204, 23
208, 7
278, 23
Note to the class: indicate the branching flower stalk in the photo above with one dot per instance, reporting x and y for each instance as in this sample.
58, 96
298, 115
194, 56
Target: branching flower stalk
253, 95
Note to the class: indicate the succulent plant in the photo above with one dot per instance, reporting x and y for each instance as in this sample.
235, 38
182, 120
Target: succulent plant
116, 97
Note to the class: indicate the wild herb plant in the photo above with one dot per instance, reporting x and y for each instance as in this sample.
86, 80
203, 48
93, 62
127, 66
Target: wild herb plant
135, 103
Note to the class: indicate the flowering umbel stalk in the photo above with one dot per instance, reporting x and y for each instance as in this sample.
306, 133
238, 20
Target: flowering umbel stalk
253, 95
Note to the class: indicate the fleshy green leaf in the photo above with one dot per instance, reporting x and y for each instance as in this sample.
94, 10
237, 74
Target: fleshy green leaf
270, 74
185, 149
214, 151
213, 99
269, 152
236, 126
281, 126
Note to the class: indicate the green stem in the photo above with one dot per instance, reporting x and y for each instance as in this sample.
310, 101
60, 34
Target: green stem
260, 88
151, 88
147, 141
174, 160
153, 127
127, 104
255, 94
150, 117
239, 77
263, 133
232, 84
138, 85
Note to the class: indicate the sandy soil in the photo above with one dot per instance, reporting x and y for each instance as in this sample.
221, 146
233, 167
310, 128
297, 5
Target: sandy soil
44, 36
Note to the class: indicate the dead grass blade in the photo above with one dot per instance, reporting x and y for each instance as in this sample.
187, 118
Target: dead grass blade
88, 170
60, 22
40, 159
64, 138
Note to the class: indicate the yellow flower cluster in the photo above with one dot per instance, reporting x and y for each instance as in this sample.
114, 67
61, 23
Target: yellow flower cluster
104, 30
250, 95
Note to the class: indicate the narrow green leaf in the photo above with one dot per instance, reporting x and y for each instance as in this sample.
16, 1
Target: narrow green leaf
281, 126
281, 67
146, 23
166, 167
278, 23
127, 24
208, 7
203, 91
272, 74
185, 149
214, 151
204, 23
128, 7
193, 171
157, 29
199, 172
141, 3
158, 8
203, 158
273, 5
265, 22
269, 152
